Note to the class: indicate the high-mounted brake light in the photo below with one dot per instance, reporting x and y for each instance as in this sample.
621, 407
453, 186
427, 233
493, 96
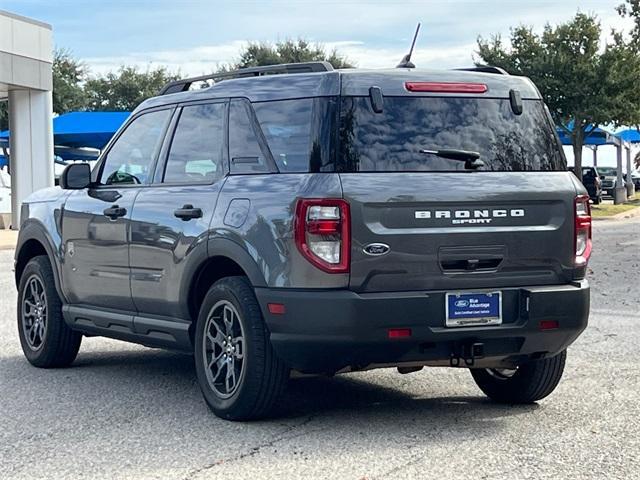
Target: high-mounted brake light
323, 233
582, 230
446, 87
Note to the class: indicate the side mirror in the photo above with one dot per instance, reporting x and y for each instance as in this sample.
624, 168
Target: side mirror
76, 176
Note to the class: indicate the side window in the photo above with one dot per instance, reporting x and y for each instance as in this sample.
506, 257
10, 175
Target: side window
287, 127
197, 149
244, 147
131, 157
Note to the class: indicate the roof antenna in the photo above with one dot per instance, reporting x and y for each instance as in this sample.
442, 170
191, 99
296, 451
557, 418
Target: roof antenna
406, 60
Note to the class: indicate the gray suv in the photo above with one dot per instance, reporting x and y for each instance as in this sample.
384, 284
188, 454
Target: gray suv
295, 217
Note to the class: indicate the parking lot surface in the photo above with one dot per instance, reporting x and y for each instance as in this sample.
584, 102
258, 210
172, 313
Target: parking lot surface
124, 411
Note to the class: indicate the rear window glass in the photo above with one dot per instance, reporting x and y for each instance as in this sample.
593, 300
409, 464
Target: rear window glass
287, 128
392, 140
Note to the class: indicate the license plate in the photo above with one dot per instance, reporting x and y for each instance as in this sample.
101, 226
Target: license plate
464, 309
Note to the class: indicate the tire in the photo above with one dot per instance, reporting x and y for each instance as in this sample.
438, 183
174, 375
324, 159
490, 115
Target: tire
531, 381
46, 340
254, 377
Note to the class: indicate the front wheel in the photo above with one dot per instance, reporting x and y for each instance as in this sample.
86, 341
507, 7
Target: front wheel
529, 382
240, 376
46, 340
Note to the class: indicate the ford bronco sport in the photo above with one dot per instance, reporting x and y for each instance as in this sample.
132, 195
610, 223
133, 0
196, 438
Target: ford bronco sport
294, 217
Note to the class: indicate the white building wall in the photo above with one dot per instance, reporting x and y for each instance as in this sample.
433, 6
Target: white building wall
26, 56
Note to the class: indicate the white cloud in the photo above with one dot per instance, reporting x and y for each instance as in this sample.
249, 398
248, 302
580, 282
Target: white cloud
378, 32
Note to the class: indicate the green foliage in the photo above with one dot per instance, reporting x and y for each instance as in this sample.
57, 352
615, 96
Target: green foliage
582, 81
631, 9
125, 89
68, 75
288, 51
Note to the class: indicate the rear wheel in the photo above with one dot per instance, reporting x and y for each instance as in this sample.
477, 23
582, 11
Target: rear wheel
529, 382
46, 340
239, 374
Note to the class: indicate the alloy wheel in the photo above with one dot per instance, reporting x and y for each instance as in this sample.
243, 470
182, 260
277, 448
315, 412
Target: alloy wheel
34, 312
223, 349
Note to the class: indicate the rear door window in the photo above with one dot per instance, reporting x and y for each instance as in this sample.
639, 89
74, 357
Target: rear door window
196, 154
247, 155
393, 140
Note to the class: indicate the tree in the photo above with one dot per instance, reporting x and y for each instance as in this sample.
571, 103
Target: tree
125, 89
68, 77
288, 51
583, 82
631, 9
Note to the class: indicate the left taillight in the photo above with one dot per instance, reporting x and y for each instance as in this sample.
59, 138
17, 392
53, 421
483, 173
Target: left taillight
323, 233
582, 230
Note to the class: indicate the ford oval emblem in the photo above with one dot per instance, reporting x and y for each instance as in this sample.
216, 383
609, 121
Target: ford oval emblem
376, 249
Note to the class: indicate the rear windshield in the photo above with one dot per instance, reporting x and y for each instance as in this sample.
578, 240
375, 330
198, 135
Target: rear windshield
392, 140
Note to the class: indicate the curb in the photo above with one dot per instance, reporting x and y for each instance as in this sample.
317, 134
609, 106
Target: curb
634, 212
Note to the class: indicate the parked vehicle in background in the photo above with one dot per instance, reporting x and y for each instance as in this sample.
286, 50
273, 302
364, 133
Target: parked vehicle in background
635, 178
609, 176
298, 217
592, 182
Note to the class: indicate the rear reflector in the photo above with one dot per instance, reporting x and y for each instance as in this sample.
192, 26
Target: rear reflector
549, 324
399, 332
276, 308
446, 87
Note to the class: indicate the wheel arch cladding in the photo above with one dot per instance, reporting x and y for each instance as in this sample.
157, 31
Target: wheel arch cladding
210, 271
32, 242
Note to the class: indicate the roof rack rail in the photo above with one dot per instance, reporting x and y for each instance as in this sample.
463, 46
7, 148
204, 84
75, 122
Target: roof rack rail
306, 67
485, 69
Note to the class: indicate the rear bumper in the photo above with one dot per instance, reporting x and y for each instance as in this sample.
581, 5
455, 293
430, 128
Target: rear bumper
330, 330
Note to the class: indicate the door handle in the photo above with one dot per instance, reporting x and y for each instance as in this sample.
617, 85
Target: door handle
187, 212
114, 212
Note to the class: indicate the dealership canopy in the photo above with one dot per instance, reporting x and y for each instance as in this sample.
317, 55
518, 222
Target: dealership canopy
78, 130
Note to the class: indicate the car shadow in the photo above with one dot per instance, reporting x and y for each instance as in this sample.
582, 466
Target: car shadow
156, 382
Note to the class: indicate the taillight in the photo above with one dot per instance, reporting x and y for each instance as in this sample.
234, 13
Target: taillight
446, 87
322, 233
582, 230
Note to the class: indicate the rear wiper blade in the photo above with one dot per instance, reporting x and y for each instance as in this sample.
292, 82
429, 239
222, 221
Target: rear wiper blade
471, 159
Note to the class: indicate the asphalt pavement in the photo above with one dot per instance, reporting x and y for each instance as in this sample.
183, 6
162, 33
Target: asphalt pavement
123, 411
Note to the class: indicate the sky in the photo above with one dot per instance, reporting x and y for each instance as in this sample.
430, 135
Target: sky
195, 36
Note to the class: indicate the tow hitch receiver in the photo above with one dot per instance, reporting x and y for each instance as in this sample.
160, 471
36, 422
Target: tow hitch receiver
465, 355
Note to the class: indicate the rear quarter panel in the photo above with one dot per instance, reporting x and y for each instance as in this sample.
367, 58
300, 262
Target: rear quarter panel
257, 211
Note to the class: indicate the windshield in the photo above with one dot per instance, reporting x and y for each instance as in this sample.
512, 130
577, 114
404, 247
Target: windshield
392, 140
608, 171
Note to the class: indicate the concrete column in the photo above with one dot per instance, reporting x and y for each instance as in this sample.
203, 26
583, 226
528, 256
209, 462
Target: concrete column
620, 194
631, 190
31, 146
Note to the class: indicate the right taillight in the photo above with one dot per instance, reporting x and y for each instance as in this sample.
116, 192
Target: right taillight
322, 233
582, 230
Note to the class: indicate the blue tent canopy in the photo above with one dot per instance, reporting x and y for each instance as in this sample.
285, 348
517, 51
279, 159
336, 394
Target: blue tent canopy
83, 129
599, 136
3, 161
630, 135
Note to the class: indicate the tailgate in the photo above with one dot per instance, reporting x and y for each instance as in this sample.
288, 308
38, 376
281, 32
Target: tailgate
466, 230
